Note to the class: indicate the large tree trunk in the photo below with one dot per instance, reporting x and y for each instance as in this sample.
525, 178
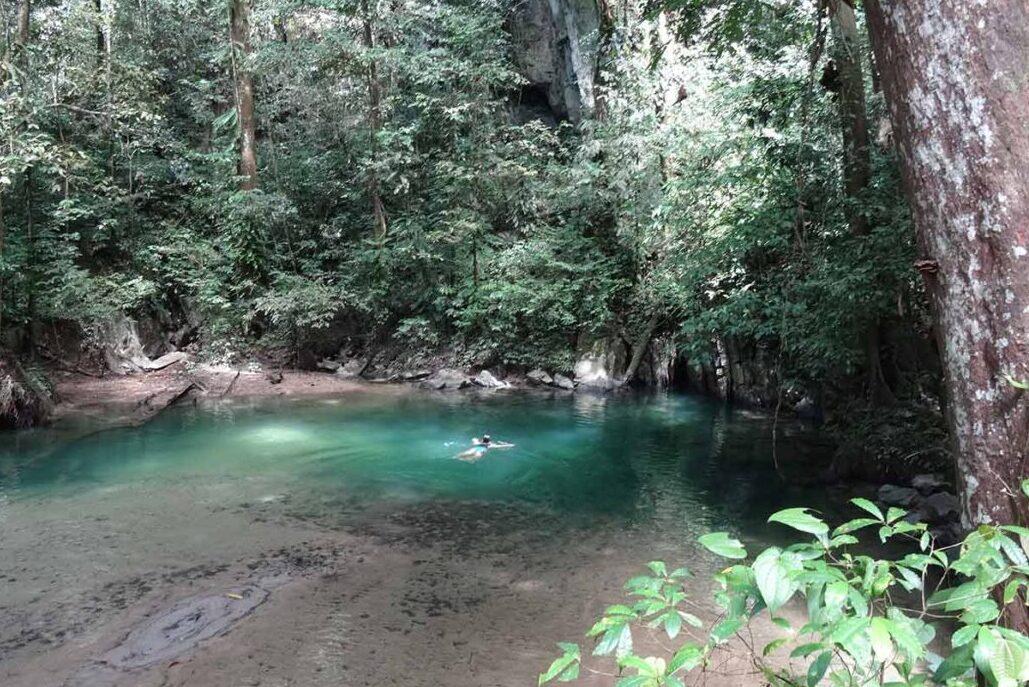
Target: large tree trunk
239, 36
954, 74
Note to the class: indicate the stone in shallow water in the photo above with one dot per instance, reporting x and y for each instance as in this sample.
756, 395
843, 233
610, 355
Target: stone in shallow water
187, 624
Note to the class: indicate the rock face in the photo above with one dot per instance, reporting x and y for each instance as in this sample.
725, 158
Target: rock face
600, 364
540, 377
555, 48
487, 380
447, 380
902, 497
562, 382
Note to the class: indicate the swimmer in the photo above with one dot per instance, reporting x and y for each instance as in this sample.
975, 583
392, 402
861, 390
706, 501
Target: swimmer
480, 446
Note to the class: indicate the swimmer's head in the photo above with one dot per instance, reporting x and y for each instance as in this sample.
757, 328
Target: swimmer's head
485, 438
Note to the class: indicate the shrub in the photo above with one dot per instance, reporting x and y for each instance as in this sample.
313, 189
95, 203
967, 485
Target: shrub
868, 620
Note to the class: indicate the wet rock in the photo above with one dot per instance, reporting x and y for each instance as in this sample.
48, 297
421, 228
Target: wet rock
415, 375
539, 377
947, 534
929, 483
447, 379
486, 380
181, 628
893, 495
941, 507
562, 382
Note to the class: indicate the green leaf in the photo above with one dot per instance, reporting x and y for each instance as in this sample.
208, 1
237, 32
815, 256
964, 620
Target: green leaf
964, 635
800, 519
772, 575
869, 507
688, 657
773, 645
725, 629
723, 545
816, 671
879, 635
954, 666
566, 667
854, 525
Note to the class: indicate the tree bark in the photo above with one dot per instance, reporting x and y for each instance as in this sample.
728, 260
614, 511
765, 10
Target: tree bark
954, 75
239, 37
24, 14
857, 160
101, 40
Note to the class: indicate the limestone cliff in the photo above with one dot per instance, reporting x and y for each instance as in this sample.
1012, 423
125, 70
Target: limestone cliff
554, 44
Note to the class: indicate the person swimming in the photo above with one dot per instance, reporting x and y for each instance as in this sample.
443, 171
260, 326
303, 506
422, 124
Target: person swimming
480, 446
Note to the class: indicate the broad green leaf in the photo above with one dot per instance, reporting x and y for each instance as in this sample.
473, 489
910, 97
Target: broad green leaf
800, 519
964, 635
772, 575
869, 507
956, 665
722, 544
879, 635
688, 657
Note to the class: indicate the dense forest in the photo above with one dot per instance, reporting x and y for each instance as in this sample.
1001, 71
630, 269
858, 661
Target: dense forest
701, 193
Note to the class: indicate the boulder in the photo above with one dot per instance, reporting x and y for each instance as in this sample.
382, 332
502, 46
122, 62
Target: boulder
562, 382
600, 363
274, 376
328, 365
487, 380
539, 377
893, 495
352, 368
929, 483
447, 380
166, 360
941, 507
415, 375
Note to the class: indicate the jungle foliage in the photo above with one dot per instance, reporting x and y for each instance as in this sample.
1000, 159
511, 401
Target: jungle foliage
402, 194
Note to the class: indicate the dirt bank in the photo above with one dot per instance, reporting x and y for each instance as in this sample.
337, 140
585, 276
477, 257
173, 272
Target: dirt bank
116, 400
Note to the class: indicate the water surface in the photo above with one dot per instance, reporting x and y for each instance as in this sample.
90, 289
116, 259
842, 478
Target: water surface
118, 519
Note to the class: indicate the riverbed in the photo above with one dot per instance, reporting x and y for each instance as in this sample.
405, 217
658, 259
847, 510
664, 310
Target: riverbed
343, 542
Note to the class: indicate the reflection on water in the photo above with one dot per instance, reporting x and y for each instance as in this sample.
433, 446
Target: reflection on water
664, 460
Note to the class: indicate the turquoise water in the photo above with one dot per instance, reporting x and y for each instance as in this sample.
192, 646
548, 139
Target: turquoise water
662, 458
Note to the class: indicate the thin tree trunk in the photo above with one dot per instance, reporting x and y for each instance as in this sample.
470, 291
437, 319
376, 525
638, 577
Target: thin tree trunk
639, 349
24, 15
857, 160
374, 124
101, 40
239, 37
954, 75
605, 44
847, 52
